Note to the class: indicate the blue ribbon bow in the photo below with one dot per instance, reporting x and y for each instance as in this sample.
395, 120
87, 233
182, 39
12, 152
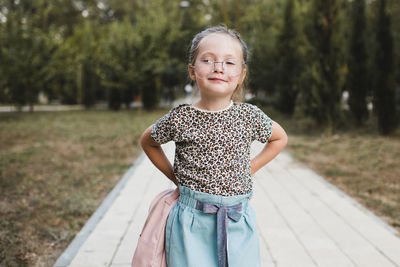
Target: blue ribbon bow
223, 213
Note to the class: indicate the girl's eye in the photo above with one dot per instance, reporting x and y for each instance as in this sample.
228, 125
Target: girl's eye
205, 60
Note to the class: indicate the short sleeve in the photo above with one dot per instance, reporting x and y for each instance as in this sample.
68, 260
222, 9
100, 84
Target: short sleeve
162, 130
262, 125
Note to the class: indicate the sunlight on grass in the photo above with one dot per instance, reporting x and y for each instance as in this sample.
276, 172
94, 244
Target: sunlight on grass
55, 170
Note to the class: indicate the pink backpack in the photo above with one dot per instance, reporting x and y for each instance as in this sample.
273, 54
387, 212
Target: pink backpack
150, 250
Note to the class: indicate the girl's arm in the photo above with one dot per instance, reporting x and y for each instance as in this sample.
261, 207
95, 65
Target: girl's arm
155, 153
276, 143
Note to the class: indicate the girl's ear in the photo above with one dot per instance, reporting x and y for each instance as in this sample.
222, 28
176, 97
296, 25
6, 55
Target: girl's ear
191, 72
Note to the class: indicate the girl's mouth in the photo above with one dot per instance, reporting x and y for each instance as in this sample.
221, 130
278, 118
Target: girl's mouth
217, 79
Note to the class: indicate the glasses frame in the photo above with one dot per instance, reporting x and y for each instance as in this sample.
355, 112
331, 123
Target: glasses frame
222, 66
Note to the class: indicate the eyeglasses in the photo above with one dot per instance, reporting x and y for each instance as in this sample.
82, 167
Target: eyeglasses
231, 67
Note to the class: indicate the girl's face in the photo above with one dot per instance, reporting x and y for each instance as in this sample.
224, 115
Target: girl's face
219, 67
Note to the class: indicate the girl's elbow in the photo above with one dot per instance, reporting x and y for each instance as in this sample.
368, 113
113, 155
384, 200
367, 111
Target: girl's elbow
146, 140
285, 140
143, 141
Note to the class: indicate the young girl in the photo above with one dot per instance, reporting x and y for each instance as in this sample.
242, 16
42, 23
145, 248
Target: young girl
212, 223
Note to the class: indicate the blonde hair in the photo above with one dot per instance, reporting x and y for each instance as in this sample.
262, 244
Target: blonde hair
237, 95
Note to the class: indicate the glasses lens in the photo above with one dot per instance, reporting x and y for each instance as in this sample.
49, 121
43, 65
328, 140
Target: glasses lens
231, 67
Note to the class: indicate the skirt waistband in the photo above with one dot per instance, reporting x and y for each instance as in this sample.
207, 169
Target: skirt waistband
190, 198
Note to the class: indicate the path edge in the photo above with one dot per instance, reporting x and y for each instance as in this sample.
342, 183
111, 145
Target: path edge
69, 253
355, 202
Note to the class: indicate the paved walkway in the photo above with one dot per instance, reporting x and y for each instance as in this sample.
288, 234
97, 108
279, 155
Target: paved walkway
42, 108
303, 221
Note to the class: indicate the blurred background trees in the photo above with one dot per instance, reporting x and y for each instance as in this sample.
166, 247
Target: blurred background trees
358, 78
289, 60
323, 70
384, 81
304, 54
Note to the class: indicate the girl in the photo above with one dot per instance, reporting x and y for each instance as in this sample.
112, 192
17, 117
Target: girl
212, 223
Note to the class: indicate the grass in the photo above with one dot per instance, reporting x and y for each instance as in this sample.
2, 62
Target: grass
55, 169
357, 160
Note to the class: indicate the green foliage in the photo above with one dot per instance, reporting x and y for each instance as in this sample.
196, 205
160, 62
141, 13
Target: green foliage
119, 57
322, 79
76, 67
231, 12
393, 7
358, 78
157, 31
115, 51
384, 83
260, 26
25, 55
289, 61
87, 63
137, 55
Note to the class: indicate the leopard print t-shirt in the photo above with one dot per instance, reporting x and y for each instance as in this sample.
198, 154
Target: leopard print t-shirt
213, 148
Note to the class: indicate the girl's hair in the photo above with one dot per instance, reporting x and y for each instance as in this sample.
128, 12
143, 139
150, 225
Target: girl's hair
194, 50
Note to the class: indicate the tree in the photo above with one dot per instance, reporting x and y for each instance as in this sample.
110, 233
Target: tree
357, 80
75, 68
32, 33
322, 79
289, 61
394, 9
384, 83
157, 30
260, 25
120, 63
26, 53
86, 57
229, 12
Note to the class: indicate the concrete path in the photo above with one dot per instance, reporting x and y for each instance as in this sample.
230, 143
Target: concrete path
303, 221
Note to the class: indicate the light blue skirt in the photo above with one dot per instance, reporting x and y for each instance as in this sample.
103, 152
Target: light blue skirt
191, 234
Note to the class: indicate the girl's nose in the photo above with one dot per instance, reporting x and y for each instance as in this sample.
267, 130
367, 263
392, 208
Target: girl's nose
218, 66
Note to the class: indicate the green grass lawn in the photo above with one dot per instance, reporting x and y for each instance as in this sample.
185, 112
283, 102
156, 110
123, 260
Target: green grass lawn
57, 167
